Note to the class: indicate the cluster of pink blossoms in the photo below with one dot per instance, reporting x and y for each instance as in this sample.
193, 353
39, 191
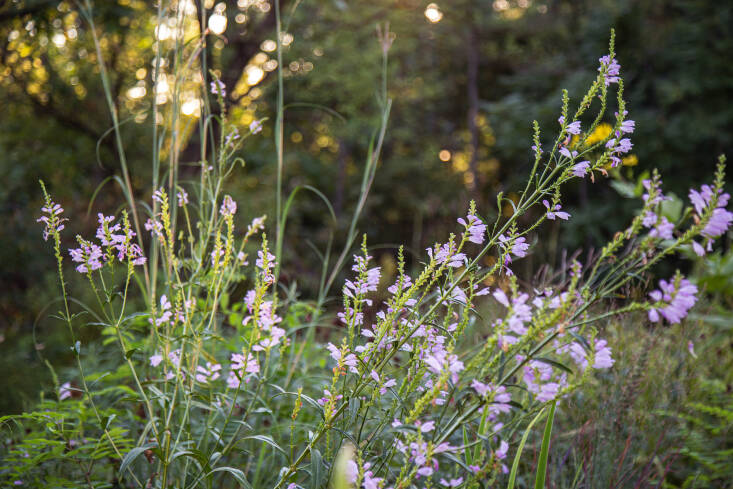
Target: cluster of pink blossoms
601, 354
91, 256
368, 481
367, 280
266, 319
383, 384
553, 211
53, 221
499, 396
475, 228
659, 226
208, 373
673, 300
182, 197
418, 454
448, 254
512, 247
620, 145
541, 380
241, 368
348, 360
175, 359
266, 262
580, 169
520, 312
155, 227
572, 128
232, 137
167, 315
720, 218
430, 345
218, 88
610, 69
228, 206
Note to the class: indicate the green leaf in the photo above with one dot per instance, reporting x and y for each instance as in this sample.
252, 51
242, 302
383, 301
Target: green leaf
315, 106
132, 455
289, 202
107, 420
354, 405
671, 207
539, 482
456, 460
515, 465
554, 363
316, 472
266, 439
581, 340
236, 473
625, 189
308, 400
467, 450
196, 455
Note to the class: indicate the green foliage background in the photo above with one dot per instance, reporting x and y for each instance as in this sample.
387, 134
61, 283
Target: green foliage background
504, 61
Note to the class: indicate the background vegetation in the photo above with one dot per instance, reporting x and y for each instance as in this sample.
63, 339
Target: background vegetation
465, 76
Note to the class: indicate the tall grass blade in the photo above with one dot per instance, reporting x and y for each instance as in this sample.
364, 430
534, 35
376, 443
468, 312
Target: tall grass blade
518, 456
539, 482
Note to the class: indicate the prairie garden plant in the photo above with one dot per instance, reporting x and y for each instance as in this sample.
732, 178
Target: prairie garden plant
222, 377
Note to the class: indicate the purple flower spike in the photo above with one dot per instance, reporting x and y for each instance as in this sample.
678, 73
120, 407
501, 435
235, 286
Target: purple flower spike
580, 169
255, 127
718, 224
567, 153
218, 88
553, 212
673, 300
65, 391
474, 227
610, 69
720, 218
182, 197
603, 358
618, 145
52, 221
573, 128
228, 206
231, 137
520, 247
517, 247
628, 126
660, 226
89, 256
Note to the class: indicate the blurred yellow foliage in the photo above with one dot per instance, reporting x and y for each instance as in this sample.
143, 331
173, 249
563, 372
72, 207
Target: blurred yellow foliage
601, 132
630, 160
